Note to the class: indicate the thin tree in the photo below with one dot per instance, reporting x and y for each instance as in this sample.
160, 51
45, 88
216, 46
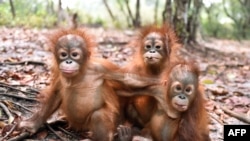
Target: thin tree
12, 8
124, 12
180, 19
167, 14
241, 22
109, 10
74, 24
156, 11
137, 20
50, 7
59, 12
129, 12
193, 19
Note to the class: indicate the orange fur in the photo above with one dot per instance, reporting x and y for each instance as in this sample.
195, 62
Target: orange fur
166, 121
171, 46
139, 108
86, 99
193, 123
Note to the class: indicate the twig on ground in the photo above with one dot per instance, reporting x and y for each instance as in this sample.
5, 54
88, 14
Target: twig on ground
24, 63
113, 43
7, 111
22, 106
13, 88
34, 90
239, 116
20, 97
20, 137
8, 133
215, 118
52, 130
67, 132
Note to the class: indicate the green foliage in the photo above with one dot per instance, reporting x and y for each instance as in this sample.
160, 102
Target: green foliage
226, 19
27, 14
211, 27
214, 20
87, 18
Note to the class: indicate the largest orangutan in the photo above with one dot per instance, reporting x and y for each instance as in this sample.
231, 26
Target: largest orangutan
85, 98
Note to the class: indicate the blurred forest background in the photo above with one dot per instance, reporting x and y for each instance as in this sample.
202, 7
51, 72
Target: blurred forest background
228, 19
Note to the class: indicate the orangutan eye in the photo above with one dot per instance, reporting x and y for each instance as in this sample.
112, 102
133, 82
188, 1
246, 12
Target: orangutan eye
189, 90
158, 47
178, 87
148, 46
63, 54
75, 55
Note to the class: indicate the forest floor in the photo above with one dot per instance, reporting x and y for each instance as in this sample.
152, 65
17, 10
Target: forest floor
24, 70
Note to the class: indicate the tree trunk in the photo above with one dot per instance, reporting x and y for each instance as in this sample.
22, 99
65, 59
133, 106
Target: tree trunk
50, 7
247, 18
129, 12
245, 24
235, 20
73, 23
109, 10
124, 13
181, 19
59, 5
193, 20
156, 11
137, 20
12, 8
167, 14
59, 12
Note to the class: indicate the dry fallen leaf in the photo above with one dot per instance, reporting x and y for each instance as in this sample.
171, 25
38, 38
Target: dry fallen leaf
219, 90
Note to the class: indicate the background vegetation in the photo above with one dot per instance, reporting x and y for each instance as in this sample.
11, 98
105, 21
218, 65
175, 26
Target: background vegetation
212, 18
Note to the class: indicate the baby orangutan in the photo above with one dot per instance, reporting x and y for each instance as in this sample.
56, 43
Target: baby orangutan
85, 98
182, 117
156, 47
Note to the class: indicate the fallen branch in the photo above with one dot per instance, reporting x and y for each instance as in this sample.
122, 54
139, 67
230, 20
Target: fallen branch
7, 111
13, 88
52, 130
22, 106
67, 132
113, 43
20, 137
20, 97
8, 133
24, 63
34, 90
23, 85
239, 116
215, 118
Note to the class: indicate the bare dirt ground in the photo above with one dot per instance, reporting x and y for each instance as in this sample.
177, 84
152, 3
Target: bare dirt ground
24, 70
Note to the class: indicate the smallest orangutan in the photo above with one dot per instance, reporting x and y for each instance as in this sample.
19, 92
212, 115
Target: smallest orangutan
180, 114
